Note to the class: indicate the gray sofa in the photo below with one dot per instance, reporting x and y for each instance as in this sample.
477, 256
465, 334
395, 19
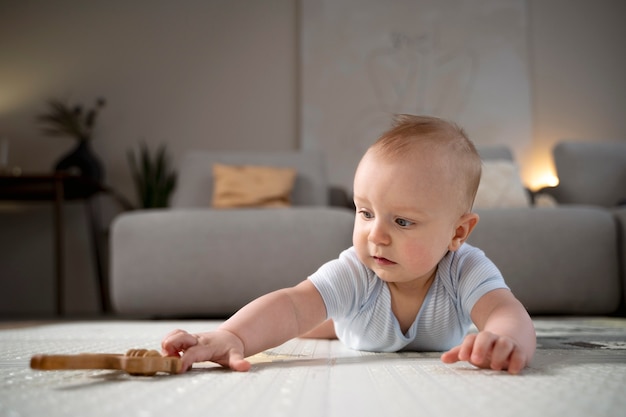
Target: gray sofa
195, 261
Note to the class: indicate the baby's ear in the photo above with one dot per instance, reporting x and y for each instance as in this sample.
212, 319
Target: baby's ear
464, 227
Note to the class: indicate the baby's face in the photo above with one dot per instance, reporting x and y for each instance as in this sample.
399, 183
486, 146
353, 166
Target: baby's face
406, 217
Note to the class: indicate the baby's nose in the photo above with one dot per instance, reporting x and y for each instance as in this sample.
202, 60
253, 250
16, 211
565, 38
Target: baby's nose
378, 234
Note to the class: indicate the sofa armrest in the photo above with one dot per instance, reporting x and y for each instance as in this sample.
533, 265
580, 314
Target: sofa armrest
210, 263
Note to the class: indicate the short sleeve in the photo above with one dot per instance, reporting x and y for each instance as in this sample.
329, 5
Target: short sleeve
477, 275
343, 284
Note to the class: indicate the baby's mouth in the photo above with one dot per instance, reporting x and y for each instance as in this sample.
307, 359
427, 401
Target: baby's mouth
382, 261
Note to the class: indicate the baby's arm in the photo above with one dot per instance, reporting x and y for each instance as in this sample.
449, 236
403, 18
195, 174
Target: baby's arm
266, 322
506, 337
325, 330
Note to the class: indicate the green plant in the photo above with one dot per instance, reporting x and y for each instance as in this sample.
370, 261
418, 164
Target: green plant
65, 120
153, 176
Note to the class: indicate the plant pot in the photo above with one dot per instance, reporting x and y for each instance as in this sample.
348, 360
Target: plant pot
82, 160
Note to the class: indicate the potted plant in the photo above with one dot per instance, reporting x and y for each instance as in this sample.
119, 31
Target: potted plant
153, 176
77, 123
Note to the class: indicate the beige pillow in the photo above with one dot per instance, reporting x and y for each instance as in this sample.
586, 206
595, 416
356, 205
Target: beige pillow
252, 186
501, 186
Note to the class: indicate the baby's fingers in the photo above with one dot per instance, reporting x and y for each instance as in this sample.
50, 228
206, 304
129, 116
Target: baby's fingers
517, 362
452, 355
503, 348
177, 341
236, 362
487, 350
475, 349
462, 352
231, 358
482, 349
467, 347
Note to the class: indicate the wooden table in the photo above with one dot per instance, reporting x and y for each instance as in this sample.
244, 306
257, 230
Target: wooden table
57, 188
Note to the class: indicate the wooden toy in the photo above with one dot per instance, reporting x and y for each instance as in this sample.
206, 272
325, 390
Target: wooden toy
135, 362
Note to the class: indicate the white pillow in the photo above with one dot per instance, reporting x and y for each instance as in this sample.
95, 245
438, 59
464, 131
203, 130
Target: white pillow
501, 186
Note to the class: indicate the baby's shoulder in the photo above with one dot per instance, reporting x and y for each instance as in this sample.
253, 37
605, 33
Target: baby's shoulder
467, 261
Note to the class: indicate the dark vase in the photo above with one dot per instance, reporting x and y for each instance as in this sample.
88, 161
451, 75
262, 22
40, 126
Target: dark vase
82, 160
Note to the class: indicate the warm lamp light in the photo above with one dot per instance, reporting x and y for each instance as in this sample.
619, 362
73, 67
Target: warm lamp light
542, 179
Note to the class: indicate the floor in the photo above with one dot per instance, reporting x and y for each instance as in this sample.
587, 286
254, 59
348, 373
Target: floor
579, 370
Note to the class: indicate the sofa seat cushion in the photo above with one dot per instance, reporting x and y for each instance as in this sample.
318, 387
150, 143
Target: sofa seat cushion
210, 263
556, 261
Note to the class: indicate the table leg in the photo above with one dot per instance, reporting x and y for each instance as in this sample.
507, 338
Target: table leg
95, 224
59, 245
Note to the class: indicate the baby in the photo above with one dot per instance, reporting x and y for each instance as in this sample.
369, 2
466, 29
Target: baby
409, 282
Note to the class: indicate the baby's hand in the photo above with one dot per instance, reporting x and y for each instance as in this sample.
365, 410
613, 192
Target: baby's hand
489, 350
220, 346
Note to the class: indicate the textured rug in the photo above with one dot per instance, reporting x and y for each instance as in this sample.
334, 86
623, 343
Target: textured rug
579, 370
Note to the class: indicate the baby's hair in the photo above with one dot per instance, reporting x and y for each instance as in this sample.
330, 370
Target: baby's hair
410, 133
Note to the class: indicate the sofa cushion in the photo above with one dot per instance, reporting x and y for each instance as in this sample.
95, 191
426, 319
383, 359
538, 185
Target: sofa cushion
591, 173
500, 186
252, 186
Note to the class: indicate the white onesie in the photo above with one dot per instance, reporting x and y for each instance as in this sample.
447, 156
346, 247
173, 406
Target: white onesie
360, 303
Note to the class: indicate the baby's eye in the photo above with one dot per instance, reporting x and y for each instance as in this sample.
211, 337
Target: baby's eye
403, 222
366, 214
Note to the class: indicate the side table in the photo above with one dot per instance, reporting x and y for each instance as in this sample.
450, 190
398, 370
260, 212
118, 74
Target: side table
57, 188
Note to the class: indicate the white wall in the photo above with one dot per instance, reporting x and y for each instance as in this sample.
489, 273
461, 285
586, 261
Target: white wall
578, 73
464, 61
193, 74
223, 74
